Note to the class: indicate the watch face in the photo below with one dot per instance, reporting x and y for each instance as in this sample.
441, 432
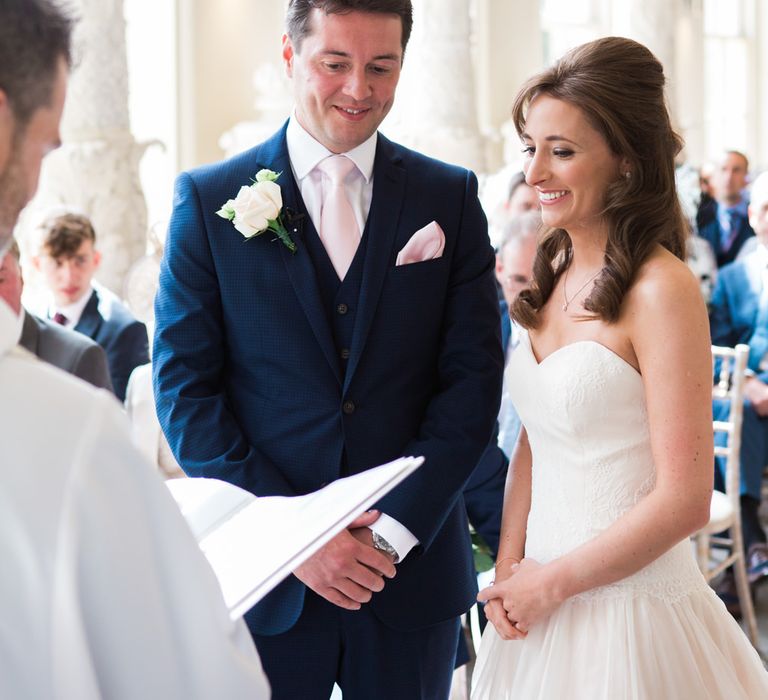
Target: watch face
383, 546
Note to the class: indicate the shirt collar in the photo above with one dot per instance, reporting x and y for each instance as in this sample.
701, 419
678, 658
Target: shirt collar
73, 311
305, 152
740, 208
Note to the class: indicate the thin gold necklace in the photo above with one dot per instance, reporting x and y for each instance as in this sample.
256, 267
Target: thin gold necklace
578, 291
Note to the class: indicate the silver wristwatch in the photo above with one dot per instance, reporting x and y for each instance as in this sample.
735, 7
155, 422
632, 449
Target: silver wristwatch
383, 546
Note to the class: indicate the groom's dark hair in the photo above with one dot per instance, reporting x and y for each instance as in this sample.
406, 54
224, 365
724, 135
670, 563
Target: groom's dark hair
34, 36
297, 19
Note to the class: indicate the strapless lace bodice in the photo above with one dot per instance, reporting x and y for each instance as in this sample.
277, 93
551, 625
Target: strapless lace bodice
659, 633
583, 408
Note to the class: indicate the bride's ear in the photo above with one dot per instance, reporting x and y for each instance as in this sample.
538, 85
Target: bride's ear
625, 168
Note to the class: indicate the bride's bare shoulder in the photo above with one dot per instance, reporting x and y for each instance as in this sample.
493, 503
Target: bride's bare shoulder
664, 280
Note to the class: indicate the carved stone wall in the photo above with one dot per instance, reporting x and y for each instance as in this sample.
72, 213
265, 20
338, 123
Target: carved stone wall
96, 169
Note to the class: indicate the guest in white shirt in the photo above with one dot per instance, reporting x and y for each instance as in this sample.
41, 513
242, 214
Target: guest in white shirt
68, 258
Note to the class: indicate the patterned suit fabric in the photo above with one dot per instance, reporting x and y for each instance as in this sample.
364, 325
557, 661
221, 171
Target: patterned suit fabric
251, 387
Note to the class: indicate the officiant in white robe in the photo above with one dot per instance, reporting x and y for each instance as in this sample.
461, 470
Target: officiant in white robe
104, 592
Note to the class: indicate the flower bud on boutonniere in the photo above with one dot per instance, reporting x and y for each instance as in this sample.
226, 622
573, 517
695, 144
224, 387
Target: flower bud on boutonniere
257, 209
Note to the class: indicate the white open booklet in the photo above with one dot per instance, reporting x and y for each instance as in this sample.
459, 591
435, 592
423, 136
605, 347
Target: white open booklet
254, 543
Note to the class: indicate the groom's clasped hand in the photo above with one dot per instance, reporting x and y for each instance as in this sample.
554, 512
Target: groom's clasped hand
521, 596
348, 570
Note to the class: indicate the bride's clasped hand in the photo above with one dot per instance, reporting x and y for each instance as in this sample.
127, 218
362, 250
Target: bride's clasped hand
522, 595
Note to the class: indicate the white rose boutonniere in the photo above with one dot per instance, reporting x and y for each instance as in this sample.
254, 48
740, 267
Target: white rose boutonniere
257, 209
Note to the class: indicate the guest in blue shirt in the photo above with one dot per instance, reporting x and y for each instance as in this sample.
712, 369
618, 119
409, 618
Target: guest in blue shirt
739, 314
724, 221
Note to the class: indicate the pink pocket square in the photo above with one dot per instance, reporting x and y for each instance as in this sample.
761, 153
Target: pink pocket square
426, 244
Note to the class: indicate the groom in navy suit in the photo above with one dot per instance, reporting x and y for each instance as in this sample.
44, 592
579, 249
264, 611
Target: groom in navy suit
378, 337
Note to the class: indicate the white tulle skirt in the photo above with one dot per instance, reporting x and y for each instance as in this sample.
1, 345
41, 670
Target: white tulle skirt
637, 647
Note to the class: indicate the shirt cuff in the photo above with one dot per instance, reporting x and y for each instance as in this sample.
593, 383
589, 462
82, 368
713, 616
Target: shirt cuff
399, 536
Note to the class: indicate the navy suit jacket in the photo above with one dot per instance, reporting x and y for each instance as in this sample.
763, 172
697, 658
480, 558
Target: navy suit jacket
735, 302
709, 229
484, 492
107, 321
249, 386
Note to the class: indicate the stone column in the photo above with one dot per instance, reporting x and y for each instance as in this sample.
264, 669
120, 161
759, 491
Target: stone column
436, 107
509, 50
96, 169
651, 22
674, 31
759, 152
689, 81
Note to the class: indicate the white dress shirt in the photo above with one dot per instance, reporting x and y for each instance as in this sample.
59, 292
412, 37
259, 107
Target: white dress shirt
104, 591
305, 152
72, 312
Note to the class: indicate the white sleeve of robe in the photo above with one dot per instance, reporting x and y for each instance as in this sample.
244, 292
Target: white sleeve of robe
136, 610
103, 590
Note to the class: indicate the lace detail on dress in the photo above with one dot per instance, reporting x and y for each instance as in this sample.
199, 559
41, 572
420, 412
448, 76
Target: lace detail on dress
670, 578
584, 411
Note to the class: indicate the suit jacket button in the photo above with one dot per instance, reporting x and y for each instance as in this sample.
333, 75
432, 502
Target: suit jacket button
348, 407
341, 309
345, 354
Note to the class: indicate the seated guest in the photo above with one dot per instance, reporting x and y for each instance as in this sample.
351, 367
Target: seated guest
519, 199
484, 492
723, 221
514, 270
739, 314
65, 349
68, 259
522, 197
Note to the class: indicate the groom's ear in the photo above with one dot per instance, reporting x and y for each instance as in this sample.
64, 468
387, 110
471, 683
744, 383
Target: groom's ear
288, 55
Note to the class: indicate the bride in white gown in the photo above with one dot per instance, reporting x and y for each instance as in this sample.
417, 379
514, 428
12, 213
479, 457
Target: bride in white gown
597, 594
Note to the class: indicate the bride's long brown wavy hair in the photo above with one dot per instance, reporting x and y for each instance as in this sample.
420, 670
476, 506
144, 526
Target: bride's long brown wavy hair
618, 84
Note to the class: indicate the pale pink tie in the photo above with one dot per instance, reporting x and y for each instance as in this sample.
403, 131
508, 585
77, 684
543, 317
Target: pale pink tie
338, 227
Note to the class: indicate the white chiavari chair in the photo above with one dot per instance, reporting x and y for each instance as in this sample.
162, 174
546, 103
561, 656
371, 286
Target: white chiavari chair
725, 509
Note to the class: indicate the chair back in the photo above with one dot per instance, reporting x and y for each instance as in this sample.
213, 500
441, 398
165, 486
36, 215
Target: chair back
729, 367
